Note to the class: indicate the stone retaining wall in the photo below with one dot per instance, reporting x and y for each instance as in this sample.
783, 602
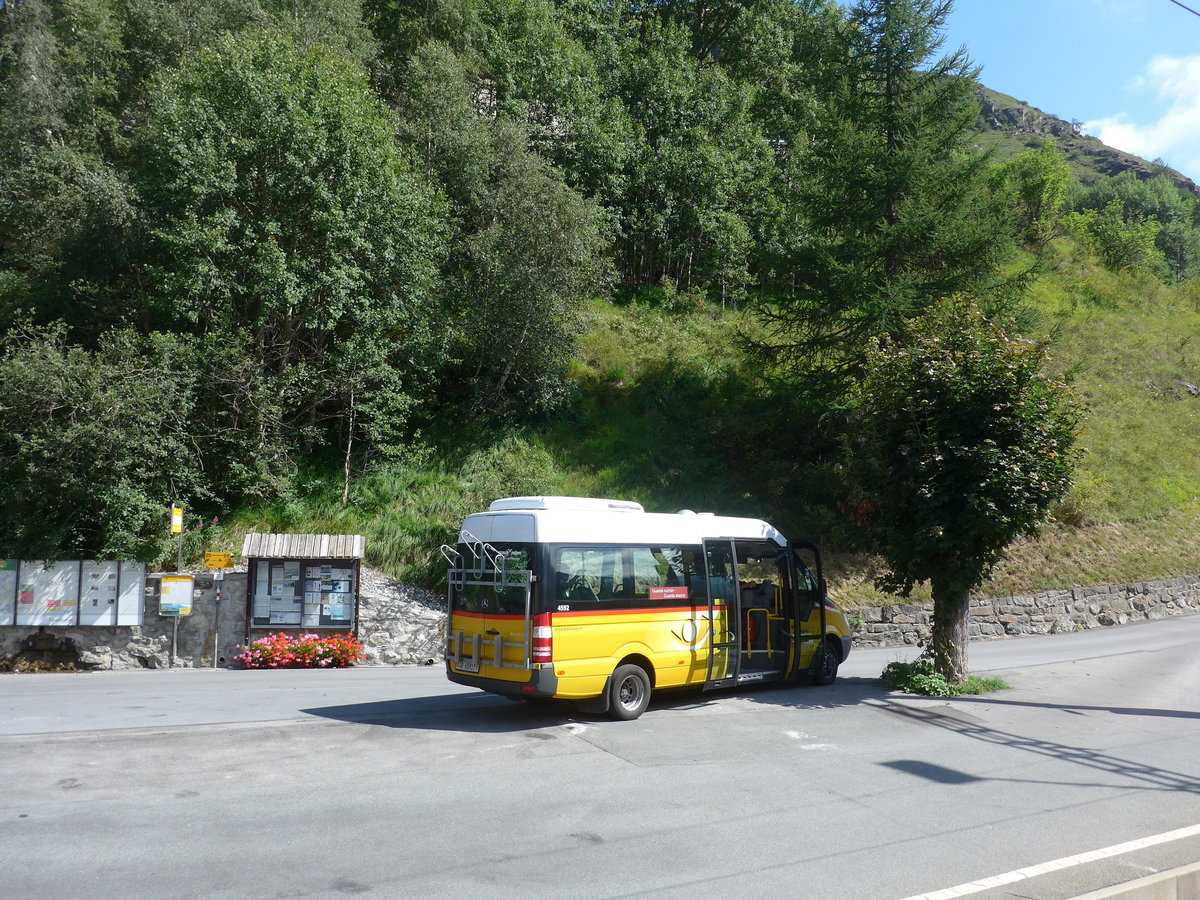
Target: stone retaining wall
398, 625
1051, 612
146, 646
404, 625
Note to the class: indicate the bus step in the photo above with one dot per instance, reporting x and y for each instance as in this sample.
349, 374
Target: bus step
758, 677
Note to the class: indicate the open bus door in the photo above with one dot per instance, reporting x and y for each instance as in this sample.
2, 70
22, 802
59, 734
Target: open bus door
724, 614
809, 586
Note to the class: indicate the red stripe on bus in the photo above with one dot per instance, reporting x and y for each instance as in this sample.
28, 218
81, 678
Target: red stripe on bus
637, 610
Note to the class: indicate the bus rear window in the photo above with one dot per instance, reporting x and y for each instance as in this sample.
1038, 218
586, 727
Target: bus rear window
479, 592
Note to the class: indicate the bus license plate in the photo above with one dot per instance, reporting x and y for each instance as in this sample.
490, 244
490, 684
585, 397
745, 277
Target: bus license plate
468, 665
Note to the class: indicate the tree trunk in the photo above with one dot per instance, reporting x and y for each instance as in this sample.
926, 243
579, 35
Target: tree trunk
948, 644
514, 352
349, 448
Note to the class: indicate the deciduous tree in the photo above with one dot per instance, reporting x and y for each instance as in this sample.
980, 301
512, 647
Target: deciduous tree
281, 213
1036, 183
960, 443
526, 249
93, 444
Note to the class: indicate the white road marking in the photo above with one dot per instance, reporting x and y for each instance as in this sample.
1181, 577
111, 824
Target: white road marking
984, 884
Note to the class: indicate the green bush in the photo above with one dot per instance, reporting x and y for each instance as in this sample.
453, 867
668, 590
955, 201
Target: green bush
918, 677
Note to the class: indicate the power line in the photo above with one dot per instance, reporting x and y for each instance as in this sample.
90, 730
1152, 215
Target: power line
1188, 8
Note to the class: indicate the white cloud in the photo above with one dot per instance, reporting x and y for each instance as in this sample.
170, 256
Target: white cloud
1175, 135
1121, 10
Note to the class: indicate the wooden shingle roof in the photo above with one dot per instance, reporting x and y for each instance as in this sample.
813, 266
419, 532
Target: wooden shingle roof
303, 546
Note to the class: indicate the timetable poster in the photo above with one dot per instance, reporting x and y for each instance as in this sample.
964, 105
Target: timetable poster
8, 591
48, 593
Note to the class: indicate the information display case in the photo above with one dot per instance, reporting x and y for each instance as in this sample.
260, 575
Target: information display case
303, 590
308, 593
71, 593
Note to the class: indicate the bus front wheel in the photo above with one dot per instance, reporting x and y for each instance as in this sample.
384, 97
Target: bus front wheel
628, 692
828, 667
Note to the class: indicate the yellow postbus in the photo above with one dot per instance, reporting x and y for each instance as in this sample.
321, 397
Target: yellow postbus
600, 602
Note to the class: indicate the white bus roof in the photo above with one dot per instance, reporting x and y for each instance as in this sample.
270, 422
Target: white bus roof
577, 520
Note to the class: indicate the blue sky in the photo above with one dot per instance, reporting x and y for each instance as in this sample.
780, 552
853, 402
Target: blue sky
1128, 69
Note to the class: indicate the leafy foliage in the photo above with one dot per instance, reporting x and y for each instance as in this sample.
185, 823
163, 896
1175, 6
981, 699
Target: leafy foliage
1124, 243
1149, 224
281, 214
919, 677
960, 444
91, 443
525, 251
309, 243
1036, 182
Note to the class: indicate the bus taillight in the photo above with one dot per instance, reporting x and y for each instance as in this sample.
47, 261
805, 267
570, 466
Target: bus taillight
542, 638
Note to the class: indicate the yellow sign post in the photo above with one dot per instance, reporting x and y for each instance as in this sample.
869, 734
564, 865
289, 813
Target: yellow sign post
220, 561
177, 528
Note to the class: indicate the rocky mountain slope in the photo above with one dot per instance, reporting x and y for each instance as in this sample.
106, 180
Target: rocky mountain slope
1012, 125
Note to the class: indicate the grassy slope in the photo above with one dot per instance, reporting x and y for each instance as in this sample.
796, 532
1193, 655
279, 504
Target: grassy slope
1134, 513
659, 387
627, 437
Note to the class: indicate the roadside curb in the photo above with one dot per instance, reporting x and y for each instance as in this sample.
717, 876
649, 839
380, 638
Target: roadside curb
1182, 883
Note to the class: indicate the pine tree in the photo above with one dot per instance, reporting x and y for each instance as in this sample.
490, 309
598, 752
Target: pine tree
894, 207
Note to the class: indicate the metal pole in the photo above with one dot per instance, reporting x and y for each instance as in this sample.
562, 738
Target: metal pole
174, 640
217, 619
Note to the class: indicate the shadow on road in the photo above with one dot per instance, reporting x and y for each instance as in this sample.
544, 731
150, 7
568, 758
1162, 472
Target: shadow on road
946, 715
1083, 710
488, 713
1141, 776
478, 713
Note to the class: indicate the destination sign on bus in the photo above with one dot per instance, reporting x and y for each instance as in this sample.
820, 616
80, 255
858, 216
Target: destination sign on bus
669, 593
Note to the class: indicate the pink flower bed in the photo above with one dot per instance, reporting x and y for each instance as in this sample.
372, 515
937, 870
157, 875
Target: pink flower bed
301, 651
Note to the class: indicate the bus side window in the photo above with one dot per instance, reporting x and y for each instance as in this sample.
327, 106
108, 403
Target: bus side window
581, 574
667, 574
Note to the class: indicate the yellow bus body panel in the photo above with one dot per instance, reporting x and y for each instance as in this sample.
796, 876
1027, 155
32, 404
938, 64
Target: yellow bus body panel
512, 629
588, 647
836, 626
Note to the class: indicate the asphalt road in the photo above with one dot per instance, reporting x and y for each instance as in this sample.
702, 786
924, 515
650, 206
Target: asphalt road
395, 783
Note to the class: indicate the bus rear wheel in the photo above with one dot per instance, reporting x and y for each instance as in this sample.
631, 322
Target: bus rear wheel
628, 692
